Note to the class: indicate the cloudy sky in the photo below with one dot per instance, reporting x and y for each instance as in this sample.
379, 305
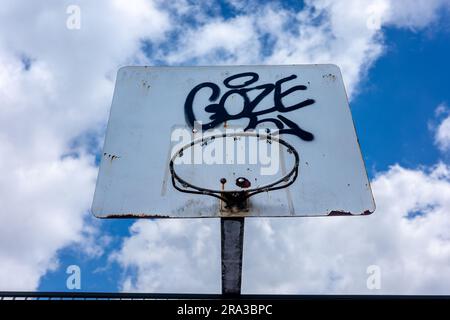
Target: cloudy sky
56, 82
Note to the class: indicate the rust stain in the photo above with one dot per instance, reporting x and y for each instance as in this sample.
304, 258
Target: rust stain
222, 182
134, 216
346, 213
111, 157
145, 84
329, 76
339, 213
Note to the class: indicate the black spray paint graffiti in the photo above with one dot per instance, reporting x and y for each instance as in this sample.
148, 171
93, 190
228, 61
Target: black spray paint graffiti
220, 114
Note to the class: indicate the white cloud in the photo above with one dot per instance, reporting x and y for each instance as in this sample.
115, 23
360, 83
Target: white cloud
65, 92
162, 255
441, 109
331, 255
219, 41
407, 237
443, 134
415, 14
274, 35
42, 211
347, 33
442, 130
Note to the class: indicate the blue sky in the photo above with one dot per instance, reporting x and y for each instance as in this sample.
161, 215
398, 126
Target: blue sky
405, 85
397, 79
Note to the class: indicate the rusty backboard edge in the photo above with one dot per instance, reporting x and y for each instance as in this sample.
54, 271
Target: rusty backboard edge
133, 216
337, 213
333, 213
366, 212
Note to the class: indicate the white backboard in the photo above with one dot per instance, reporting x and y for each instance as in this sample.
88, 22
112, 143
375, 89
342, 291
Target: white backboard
306, 104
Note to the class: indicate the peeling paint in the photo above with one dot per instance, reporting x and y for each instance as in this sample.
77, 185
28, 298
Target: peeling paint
329, 76
340, 213
346, 213
134, 216
110, 156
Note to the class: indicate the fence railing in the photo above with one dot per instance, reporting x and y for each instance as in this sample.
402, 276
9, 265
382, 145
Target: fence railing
28, 295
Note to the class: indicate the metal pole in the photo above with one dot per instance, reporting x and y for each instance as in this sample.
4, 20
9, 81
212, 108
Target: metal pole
232, 243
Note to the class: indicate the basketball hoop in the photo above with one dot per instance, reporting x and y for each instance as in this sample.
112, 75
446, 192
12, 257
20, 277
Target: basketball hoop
191, 132
235, 199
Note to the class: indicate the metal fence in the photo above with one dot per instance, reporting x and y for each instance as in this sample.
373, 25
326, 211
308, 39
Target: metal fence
24, 295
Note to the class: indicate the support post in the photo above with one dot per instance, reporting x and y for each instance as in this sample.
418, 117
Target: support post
232, 245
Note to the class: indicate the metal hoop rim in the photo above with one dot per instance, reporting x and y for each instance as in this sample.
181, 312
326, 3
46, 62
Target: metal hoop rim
293, 174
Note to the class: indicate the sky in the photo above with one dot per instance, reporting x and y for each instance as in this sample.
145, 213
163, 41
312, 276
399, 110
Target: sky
56, 83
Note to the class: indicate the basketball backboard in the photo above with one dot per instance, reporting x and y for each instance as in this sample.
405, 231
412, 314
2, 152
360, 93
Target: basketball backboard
177, 133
